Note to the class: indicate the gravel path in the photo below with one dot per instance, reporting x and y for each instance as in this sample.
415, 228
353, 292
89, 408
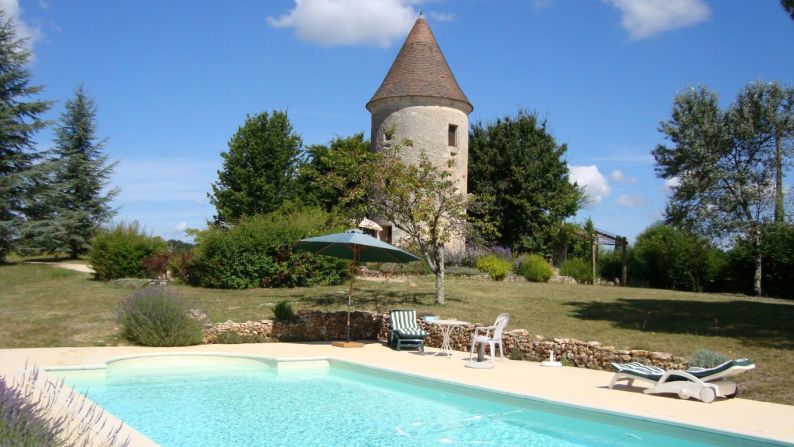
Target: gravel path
85, 268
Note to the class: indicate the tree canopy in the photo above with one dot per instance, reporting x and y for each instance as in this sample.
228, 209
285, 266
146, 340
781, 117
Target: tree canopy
424, 202
333, 176
518, 169
724, 162
72, 198
20, 120
259, 170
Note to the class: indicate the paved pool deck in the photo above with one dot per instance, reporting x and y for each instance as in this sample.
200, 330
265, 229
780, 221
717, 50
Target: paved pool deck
577, 386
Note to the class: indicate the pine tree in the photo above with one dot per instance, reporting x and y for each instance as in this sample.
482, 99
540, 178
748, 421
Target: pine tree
81, 174
19, 121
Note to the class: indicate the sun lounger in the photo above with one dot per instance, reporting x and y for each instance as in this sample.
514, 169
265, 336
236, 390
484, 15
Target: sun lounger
405, 332
701, 383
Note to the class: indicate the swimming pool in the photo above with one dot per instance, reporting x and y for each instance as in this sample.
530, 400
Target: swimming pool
208, 400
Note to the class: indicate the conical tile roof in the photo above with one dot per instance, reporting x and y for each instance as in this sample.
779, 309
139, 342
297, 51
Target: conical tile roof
420, 69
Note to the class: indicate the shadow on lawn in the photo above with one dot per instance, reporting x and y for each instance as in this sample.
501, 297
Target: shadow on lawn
755, 323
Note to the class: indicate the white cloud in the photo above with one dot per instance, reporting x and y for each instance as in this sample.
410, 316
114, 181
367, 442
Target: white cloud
644, 18
596, 186
180, 227
24, 31
634, 201
376, 23
618, 176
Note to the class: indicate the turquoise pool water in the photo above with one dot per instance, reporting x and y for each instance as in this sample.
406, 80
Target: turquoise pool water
226, 401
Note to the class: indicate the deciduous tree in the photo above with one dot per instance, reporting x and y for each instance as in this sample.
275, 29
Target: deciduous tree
334, 176
424, 202
723, 169
259, 170
517, 163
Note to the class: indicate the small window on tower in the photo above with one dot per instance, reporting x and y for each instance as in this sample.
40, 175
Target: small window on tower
453, 135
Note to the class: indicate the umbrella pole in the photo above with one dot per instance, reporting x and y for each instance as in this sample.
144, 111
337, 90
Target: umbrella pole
350, 295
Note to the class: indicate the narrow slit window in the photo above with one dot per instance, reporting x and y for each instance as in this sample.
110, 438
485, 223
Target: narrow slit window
453, 135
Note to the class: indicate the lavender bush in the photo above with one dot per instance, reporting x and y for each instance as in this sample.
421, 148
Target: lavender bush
28, 416
154, 316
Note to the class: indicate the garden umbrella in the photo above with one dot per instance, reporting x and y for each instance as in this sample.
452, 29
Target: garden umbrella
357, 247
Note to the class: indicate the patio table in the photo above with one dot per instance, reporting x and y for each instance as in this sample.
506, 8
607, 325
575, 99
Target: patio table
446, 329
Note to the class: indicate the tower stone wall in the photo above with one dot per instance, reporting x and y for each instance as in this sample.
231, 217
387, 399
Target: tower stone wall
420, 100
424, 121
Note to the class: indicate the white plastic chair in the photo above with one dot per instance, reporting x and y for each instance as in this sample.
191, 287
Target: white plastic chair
491, 335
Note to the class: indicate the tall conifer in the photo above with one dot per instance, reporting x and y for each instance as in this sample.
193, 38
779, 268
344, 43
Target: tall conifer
19, 121
81, 174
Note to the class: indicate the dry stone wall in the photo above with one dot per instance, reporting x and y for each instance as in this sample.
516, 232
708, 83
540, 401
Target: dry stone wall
518, 343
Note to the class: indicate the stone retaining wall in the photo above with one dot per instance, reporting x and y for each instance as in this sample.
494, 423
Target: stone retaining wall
319, 326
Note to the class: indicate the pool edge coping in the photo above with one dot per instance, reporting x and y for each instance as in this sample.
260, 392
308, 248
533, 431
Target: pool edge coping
750, 436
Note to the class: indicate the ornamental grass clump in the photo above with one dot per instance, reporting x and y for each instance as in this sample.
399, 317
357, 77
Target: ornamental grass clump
39, 412
283, 311
535, 269
155, 316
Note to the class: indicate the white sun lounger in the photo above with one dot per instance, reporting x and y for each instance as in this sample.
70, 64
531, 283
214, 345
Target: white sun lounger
705, 384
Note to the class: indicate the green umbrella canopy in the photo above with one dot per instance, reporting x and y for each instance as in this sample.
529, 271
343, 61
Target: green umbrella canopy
356, 246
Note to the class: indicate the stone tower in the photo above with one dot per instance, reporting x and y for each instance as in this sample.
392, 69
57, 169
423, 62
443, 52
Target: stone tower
420, 100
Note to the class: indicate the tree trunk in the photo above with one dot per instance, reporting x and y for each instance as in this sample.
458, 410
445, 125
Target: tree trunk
758, 263
779, 209
74, 252
440, 278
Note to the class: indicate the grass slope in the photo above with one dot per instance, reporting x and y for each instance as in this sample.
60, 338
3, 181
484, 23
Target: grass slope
45, 306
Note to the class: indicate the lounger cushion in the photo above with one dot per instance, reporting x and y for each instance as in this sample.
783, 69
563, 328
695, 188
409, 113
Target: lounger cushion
414, 332
655, 373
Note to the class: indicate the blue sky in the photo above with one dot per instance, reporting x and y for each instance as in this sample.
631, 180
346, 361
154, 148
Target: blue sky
174, 80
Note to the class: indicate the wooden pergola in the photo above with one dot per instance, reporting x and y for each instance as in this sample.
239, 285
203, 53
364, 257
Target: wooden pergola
600, 237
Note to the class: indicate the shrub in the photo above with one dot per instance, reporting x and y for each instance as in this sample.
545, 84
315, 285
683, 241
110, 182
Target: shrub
578, 269
117, 252
257, 252
668, 258
156, 265
283, 311
154, 316
610, 264
777, 247
496, 268
534, 268
29, 417
703, 358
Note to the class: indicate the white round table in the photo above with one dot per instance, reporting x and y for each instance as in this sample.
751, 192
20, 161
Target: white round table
446, 328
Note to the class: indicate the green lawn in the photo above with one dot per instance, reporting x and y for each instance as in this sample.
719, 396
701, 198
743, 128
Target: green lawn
45, 306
